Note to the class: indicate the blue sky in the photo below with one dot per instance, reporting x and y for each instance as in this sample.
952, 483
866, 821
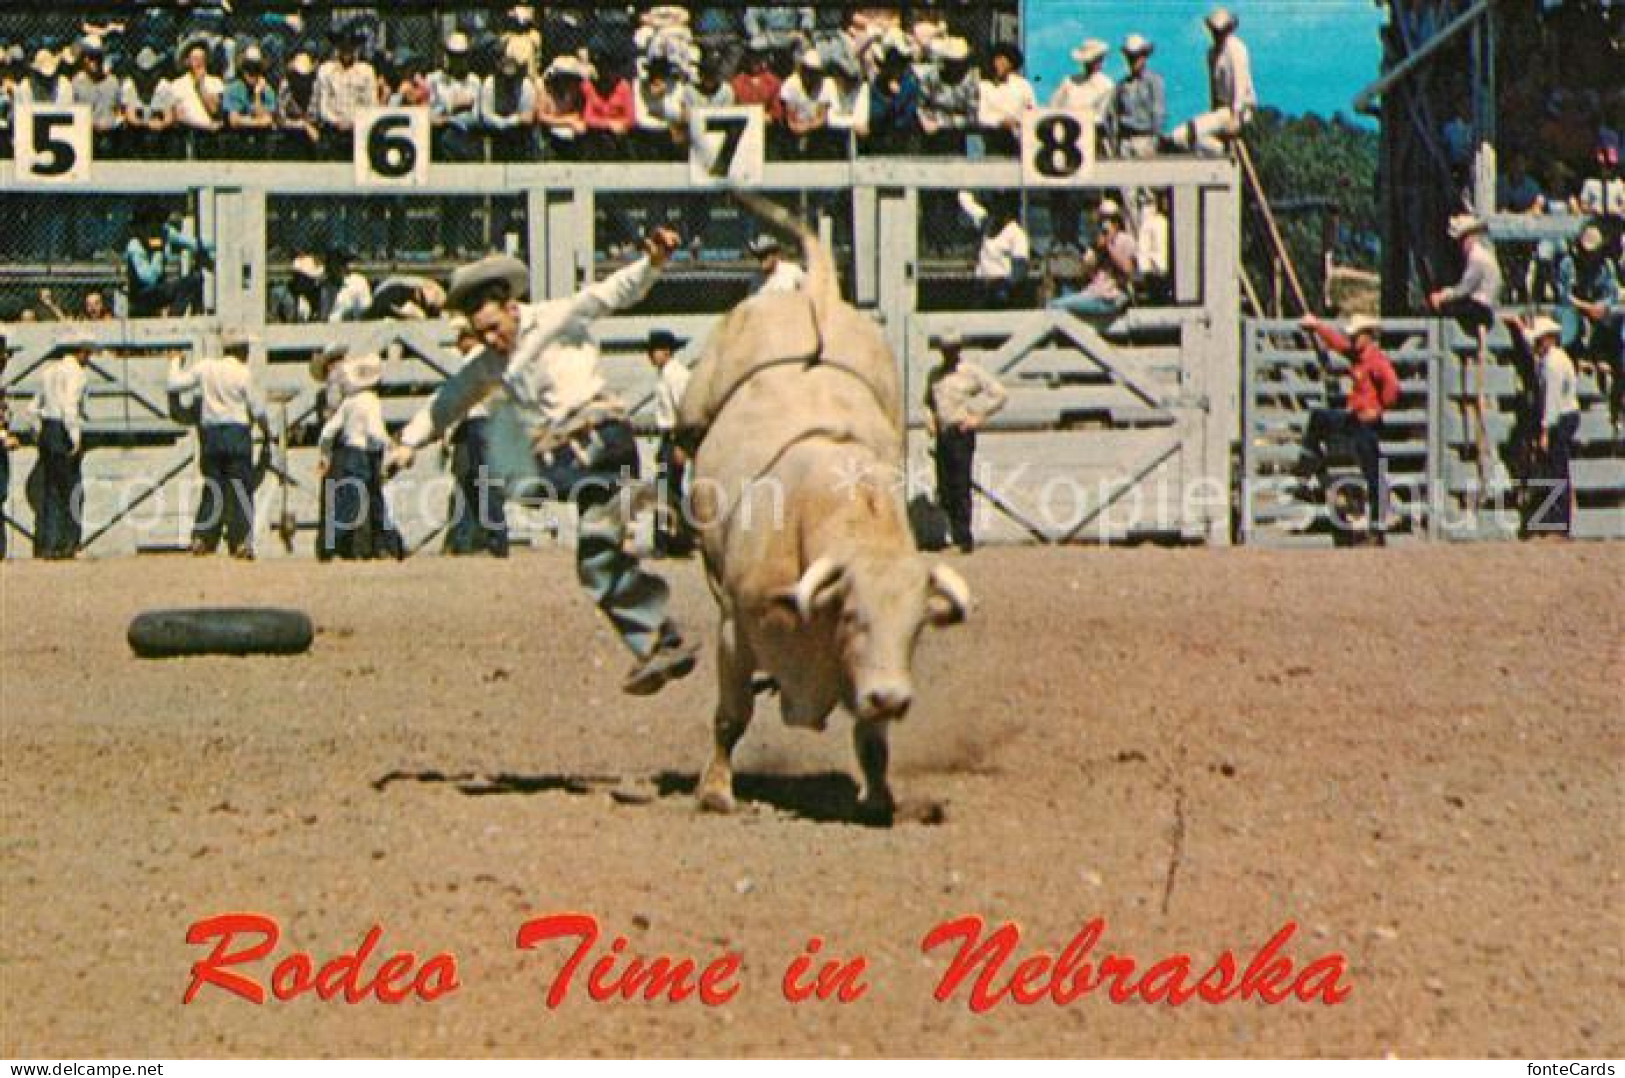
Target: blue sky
1308, 55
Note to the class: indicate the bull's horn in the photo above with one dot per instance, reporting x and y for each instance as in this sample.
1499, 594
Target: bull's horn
950, 587
819, 575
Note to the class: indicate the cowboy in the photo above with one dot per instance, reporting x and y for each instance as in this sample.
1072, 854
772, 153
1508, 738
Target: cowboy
96, 87
1004, 99
1005, 253
478, 517
59, 409
948, 98
1374, 388
353, 443
1592, 313
343, 85
1232, 97
544, 359
1559, 410
1139, 106
1090, 89
960, 397
671, 379
778, 274
230, 407
1473, 299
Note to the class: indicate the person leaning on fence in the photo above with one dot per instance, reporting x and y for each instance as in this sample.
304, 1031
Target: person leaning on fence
543, 357
59, 411
346, 295
295, 106
147, 106
344, 84
44, 83
298, 301
657, 106
454, 102
230, 406
478, 519
671, 535
1003, 99
777, 273
508, 110
894, 101
756, 83
96, 87
1592, 312
1373, 389
1110, 267
1559, 410
155, 246
805, 100
960, 397
251, 104
609, 110
1232, 97
353, 443
1005, 254
198, 93
949, 98
559, 105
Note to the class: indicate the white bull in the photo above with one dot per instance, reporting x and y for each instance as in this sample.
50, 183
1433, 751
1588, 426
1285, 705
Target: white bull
806, 540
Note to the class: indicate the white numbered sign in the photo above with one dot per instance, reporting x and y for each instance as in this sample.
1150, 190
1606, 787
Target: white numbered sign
53, 145
1057, 147
392, 147
727, 146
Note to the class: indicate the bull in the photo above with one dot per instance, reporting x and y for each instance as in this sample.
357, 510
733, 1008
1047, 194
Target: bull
797, 411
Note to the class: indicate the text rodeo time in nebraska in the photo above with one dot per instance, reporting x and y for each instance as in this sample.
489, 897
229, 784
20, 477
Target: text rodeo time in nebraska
986, 969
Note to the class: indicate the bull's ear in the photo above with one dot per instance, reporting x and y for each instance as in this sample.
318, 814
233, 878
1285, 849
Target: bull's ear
949, 603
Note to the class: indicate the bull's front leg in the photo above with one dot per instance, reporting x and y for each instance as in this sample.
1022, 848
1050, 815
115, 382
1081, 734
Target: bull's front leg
874, 756
735, 701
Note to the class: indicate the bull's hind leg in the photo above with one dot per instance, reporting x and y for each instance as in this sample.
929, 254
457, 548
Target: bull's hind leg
735, 701
874, 756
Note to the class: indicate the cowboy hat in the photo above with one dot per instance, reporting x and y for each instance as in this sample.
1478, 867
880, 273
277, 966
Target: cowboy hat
764, 245
307, 266
1109, 208
566, 64
301, 64
1135, 45
91, 45
952, 49
471, 282
361, 372
949, 338
251, 55
1544, 327
1591, 239
663, 339
45, 63
1363, 323
1091, 51
457, 44
1465, 224
1220, 20
322, 361
811, 60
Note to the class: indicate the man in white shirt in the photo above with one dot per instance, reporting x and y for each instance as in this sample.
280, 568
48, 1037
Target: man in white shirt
1152, 243
343, 85
1006, 251
1231, 94
454, 103
60, 412
575, 432
778, 274
195, 93
671, 379
1090, 90
231, 406
353, 443
1559, 410
346, 296
1003, 100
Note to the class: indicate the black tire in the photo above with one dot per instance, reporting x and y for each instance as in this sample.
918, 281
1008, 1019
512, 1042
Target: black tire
163, 634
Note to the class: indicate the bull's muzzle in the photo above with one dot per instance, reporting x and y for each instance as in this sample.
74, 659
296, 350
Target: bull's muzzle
883, 702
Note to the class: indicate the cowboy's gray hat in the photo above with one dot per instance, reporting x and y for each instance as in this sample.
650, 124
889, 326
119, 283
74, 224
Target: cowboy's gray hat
472, 280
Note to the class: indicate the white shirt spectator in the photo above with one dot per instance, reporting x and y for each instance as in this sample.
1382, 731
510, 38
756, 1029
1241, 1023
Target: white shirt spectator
187, 101
353, 300
848, 109
669, 389
1092, 95
1004, 102
62, 396
802, 106
341, 90
227, 389
1152, 241
1230, 74
657, 113
786, 277
160, 104
996, 261
1560, 387
454, 100
358, 424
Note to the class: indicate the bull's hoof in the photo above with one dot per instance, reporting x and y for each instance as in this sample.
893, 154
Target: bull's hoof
719, 801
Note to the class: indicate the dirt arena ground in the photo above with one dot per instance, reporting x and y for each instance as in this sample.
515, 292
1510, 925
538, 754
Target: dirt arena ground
1416, 755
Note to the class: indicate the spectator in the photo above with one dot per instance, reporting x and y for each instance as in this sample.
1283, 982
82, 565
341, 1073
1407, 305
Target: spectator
1109, 266
343, 85
44, 84
59, 409
1151, 242
664, 36
251, 103
1473, 300
346, 296
559, 106
894, 104
671, 537
778, 274
960, 397
147, 107
1090, 90
609, 111
1559, 409
1516, 190
708, 90
782, 27
154, 248
230, 407
521, 40
657, 100
454, 103
508, 110
197, 94
1593, 313
1231, 95
756, 83
1005, 97
949, 99
295, 106
95, 308
719, 30
478, 517
407, 298
1139, 105
409, 88
805, 101
96, 87
1374, 388
299, 301
353, 443
849, 103
1006, 251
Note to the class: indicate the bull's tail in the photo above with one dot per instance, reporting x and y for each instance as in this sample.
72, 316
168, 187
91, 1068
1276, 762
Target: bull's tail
823, 286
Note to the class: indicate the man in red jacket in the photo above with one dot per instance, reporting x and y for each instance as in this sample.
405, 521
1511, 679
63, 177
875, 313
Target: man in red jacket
1374, 388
